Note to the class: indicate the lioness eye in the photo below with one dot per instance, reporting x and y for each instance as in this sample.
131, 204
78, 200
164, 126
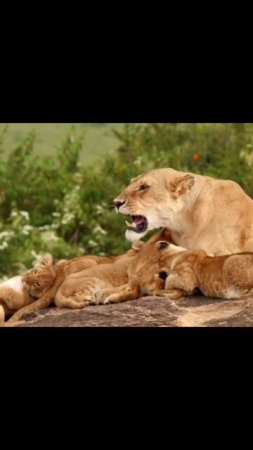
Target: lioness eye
143, 187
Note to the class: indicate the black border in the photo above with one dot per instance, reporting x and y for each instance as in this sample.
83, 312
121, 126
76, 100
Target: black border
153, 347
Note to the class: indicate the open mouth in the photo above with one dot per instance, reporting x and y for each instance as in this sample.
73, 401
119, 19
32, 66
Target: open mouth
139, 224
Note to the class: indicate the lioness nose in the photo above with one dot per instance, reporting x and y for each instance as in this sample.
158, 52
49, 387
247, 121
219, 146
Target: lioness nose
118, 203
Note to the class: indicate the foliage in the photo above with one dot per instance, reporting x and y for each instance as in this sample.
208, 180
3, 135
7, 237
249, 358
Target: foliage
57, 205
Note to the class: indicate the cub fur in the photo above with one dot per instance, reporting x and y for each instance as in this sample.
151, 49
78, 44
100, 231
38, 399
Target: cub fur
226, 276
43, 281
129, 276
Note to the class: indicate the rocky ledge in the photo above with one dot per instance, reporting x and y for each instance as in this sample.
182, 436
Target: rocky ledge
196, 311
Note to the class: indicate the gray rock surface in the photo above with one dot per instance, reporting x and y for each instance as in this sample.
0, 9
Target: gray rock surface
196, 311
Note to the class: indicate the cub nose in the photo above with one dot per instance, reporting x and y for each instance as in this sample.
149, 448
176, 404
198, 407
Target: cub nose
118, 203
163, 275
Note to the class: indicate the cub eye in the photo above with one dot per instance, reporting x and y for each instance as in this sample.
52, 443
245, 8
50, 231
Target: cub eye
37, 283
143, 187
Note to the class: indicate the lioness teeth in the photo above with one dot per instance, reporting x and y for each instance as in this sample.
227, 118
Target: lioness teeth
132, 225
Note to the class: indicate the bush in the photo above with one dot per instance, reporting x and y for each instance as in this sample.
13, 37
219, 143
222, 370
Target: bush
56, 205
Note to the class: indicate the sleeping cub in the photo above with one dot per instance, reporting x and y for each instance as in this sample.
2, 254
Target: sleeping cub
227, 276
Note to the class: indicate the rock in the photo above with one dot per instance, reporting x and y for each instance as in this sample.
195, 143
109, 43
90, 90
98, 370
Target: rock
196, 311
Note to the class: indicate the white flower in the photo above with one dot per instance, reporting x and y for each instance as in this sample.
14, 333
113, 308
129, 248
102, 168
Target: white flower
100, 209
44, 228
68, 217
138, 161
34, 254
92, 243
26, 229
99, 229
24, 214
49, 236
3, 245
6, 234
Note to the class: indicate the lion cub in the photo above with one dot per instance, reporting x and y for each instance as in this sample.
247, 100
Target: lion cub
79, 277
227, 276
126, 277
143, 278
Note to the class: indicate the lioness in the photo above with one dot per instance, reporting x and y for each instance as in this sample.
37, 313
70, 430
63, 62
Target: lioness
43, 281
201, 212
227, 276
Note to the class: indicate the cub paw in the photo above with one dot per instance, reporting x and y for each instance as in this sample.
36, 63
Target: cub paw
106, 301
100, 297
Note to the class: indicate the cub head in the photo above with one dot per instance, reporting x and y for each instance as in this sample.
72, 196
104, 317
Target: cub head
148, 254
39, 279
154, 200
166, 251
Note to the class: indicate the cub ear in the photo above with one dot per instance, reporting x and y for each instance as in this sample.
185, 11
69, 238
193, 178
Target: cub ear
162, 245
182, 184
137, 245
47, 260
165, 235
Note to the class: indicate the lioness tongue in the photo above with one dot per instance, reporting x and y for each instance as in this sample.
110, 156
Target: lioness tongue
138, 220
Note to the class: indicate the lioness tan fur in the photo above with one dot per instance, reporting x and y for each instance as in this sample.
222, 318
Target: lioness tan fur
200, 211
43, 281
227, 276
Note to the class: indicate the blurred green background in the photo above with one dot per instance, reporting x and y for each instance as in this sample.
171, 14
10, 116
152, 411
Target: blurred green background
99, 138
58, 181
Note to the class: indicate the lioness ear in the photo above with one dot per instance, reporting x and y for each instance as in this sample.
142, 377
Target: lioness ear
162, 245
182, 184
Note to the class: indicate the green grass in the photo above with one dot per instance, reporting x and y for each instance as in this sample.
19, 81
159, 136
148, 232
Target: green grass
99, 139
